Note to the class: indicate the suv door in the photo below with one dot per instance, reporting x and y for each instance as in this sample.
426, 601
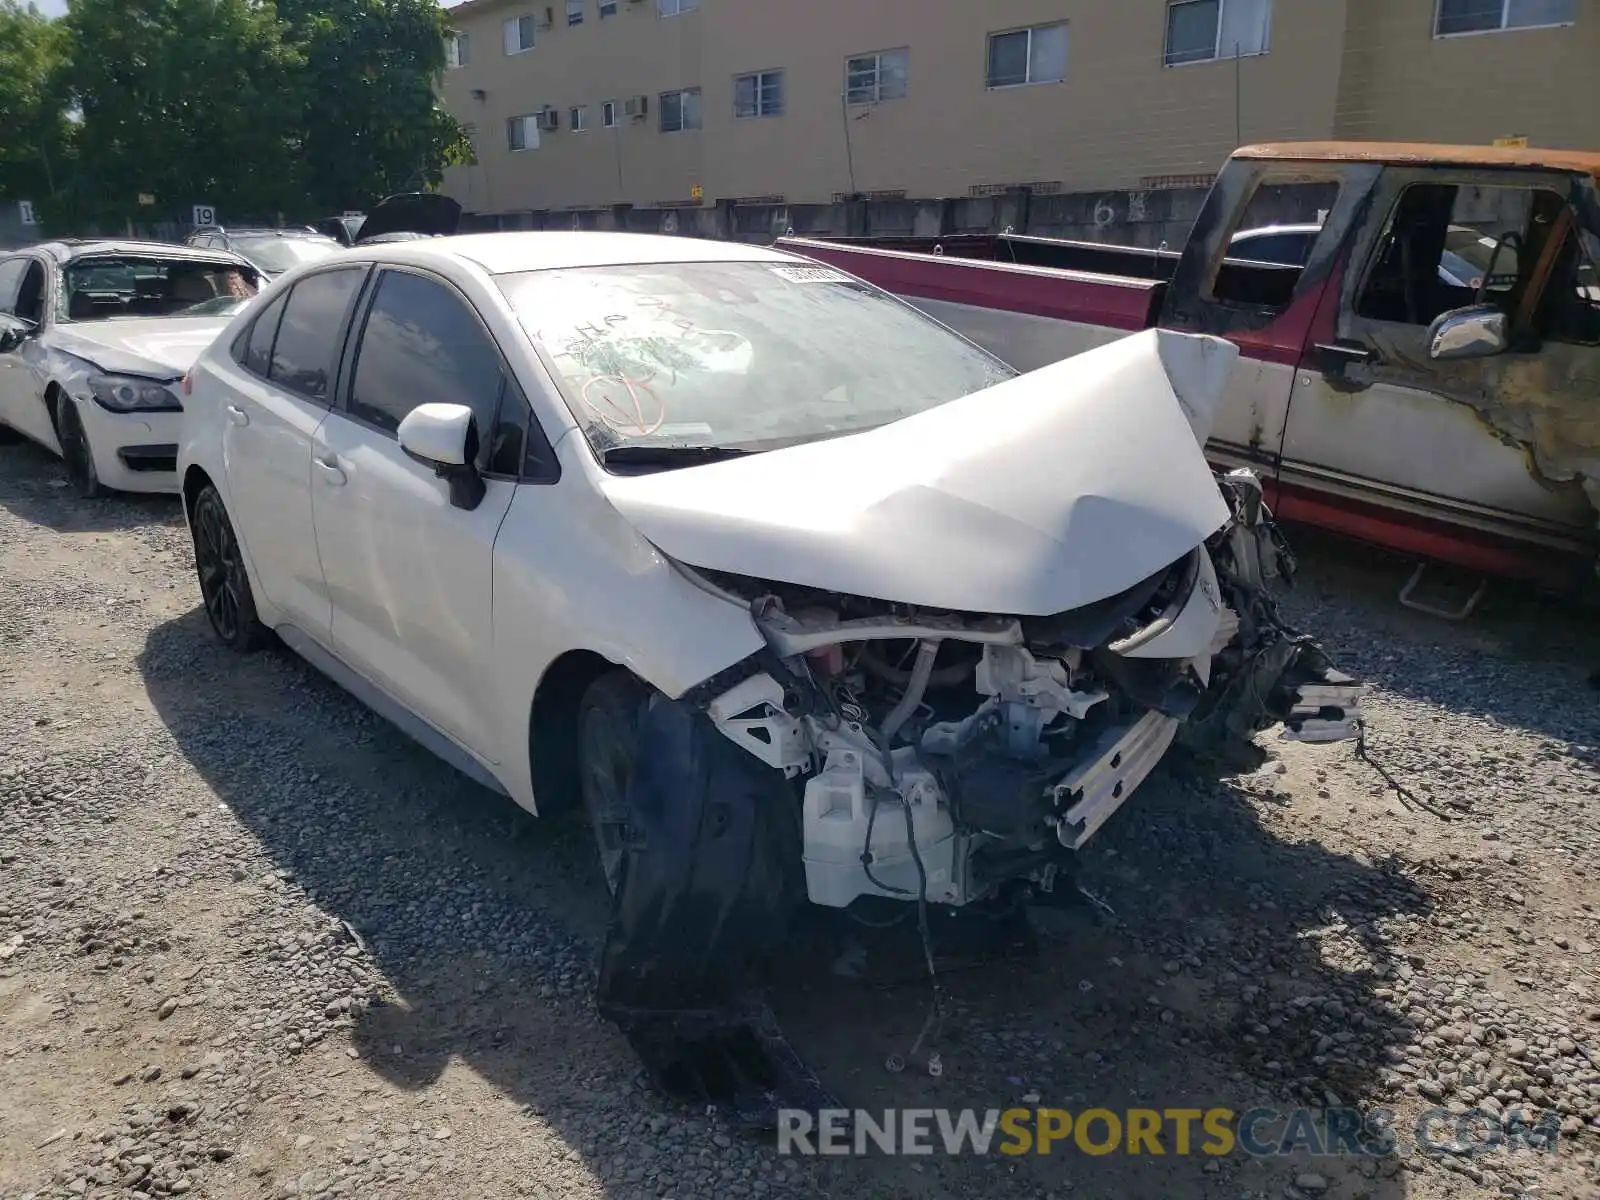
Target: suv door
287, 361
410, 575
1381, 432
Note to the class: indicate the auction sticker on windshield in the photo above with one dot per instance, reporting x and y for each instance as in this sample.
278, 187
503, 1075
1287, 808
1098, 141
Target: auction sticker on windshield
810, 275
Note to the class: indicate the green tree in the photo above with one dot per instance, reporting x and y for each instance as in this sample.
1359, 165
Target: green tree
35, 135
191, 101
373, 124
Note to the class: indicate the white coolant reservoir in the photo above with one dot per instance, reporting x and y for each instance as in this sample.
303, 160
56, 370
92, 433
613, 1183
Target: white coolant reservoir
838, 810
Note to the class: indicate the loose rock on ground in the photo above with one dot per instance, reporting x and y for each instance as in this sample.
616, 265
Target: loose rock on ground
254, 943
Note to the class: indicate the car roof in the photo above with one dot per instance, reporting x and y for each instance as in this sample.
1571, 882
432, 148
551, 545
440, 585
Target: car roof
261, 231
68, 251
512, 252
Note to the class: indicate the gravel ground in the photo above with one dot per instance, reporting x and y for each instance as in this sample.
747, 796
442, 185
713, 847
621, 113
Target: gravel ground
254, 943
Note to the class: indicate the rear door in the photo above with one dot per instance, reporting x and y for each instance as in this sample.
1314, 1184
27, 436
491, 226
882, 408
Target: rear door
1383, 441
1265, 306
410, 575
286, 365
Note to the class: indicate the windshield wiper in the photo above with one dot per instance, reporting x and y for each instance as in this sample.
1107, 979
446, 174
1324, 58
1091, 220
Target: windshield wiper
642, 454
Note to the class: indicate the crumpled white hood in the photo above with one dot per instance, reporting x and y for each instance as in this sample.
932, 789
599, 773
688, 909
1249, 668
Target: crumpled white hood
156, 346
1038, 495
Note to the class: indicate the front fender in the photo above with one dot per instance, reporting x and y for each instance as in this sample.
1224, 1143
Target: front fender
571, 574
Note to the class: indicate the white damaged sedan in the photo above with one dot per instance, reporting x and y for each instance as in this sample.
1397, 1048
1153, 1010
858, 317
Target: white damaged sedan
94, 338
798, 593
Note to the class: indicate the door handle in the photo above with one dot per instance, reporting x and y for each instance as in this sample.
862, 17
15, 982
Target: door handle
1349, 353
238, 415
332, 473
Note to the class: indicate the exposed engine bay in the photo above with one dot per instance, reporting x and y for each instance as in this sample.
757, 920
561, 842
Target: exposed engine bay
955, 743
940, 755
876, 750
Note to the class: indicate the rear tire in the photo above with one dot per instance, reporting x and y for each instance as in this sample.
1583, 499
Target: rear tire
224, 583
608, 748
75, 451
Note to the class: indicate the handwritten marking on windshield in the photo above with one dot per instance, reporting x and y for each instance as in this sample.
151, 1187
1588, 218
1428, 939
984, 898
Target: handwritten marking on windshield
626, 417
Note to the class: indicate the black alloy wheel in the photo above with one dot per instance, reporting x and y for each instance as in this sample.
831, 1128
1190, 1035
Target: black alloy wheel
224, 584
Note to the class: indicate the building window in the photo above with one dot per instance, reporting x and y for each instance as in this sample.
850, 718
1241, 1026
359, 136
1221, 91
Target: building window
758, 95
673, 8
522, 133
1487, 16
574, 12
1037, 55
871, 78
457, 49
1202, 30
608, 8
518, 34
680, 110
608, 114
579, 118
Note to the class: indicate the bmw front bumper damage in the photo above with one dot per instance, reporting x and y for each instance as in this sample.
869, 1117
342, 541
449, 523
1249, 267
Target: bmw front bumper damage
874, 753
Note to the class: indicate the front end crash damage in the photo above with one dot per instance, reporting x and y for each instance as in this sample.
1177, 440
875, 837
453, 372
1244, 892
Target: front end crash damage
884, 750
876, 750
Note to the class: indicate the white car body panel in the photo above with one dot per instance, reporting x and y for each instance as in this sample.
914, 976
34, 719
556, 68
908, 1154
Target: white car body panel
402, 636
409, 577
24, 376
158, 347
1038, 495
261, 442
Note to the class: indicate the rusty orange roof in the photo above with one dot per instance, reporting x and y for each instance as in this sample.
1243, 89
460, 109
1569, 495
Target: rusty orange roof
1413, 153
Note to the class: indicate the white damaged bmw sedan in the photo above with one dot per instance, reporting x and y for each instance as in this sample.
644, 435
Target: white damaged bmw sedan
798, 593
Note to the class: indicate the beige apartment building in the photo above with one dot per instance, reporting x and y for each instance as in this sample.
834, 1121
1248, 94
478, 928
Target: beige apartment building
587, 104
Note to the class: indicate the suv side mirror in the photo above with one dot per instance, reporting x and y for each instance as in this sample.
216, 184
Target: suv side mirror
1477, 331
445, 437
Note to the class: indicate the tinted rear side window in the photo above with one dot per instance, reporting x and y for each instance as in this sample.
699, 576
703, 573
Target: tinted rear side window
306, 354
255, 355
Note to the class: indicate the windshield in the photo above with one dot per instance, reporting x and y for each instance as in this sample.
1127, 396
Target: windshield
276, 254
122, 286
752, 355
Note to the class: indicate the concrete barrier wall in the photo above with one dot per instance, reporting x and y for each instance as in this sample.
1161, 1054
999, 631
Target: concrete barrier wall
1129, 218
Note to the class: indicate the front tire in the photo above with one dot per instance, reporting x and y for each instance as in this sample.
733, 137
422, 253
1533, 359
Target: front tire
224, 583
608, 748
75, 451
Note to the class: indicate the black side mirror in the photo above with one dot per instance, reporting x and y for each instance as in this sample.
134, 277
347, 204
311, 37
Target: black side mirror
12, 336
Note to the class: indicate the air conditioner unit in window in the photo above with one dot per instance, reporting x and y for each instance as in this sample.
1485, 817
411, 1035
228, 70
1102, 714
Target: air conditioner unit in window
637, 106
548, 120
